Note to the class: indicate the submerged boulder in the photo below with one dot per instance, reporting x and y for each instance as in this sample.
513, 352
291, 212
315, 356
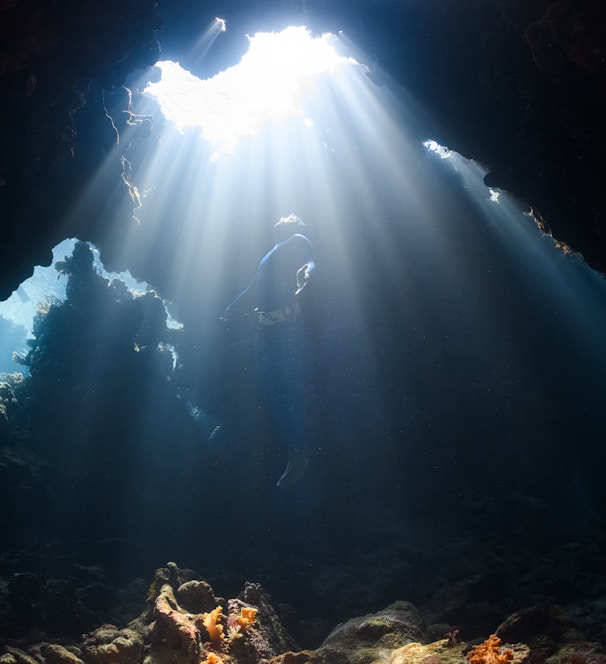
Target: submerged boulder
110, 645
375, 636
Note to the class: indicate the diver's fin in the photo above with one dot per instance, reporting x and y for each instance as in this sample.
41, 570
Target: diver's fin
295, 469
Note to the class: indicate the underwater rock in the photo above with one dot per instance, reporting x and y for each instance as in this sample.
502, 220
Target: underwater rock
303, 657
16, 656
542, 627
7, 400
438, 652
110, 645
475, 603
276, 637
373, 637
444, 651
196, 596
182, 626
174, 628
46, 594
48, 604
53, 653
580, 652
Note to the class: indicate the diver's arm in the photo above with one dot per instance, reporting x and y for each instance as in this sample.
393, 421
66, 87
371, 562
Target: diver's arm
310, 266
241, 302
304, 275
305, 256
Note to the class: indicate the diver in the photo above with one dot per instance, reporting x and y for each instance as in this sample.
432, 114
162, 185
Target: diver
275, 294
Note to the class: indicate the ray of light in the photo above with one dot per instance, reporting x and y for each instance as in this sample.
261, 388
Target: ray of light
566, 292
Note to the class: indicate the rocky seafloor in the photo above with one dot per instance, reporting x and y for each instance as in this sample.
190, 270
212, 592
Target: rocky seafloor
176, 618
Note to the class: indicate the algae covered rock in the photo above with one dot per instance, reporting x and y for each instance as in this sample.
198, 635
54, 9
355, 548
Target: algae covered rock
54, 653
16, 656
438, 652
110, 645
196, 596
373, 638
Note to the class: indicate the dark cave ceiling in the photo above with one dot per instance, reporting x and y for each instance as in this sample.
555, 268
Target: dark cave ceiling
517, 86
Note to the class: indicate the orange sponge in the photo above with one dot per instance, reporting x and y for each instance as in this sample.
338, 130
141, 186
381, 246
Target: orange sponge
247, 616
214, 628
490, 652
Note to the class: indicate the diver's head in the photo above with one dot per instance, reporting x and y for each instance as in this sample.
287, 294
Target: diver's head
287, 226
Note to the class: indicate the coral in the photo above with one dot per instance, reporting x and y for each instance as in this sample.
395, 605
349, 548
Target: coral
168, 631
181, 632
490, 652
236, 624
171, 625
211, 621
212, 658
247, 616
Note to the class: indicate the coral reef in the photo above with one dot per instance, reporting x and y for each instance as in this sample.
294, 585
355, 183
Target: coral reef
233, 630
179, 627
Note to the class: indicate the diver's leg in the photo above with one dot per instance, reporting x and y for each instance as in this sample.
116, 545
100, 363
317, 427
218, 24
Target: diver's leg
279, 362
295, 423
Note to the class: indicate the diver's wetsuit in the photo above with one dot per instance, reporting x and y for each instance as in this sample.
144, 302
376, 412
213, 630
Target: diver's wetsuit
275, 294
275, 282
281, 346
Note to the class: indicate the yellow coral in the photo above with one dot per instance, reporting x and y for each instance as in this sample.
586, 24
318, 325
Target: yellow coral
247, 616
212, 658
490, 652
214, 628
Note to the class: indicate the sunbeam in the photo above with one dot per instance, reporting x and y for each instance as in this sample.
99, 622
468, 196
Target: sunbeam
312, 149
267, 84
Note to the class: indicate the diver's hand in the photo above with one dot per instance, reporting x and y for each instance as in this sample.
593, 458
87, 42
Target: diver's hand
303, 277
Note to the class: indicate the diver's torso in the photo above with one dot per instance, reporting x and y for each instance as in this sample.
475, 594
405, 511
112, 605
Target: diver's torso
277, 281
